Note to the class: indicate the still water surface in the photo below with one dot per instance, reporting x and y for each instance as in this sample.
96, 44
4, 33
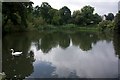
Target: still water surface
60, 55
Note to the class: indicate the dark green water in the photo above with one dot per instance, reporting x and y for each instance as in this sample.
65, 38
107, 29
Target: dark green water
60, 55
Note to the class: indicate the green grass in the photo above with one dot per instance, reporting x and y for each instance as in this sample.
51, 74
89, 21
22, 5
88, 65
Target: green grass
68, 27
48, 27
88, 29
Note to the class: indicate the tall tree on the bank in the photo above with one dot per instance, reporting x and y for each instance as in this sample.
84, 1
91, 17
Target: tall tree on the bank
87, 13
65, 14
36, 11
52, 13
11, 10
110, 16
117, 22
85, 16
96, 18
76, 17
55, 17
44, 11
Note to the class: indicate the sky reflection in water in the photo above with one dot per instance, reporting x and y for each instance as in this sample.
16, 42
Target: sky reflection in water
61, 54
99, 62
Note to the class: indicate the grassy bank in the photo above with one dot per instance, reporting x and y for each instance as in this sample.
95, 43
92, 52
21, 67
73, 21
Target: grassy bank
52, 28
67, 27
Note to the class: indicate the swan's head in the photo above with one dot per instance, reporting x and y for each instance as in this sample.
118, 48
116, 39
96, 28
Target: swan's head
12, 50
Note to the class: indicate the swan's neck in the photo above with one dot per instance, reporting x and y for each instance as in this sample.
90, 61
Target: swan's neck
12, 51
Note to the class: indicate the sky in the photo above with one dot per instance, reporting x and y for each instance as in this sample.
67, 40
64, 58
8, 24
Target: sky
101, 6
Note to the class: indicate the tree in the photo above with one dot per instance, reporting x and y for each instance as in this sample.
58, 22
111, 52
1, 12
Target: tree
36, 11
56, 18
87, 13
117, 22
52, 14
65, 14
44, 11
14, 10
76, 17
85, 16
96, 18
110, 16
87, 10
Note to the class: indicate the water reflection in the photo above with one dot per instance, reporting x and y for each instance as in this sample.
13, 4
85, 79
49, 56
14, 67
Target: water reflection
58, 54
21, 66
84, 40
116, 41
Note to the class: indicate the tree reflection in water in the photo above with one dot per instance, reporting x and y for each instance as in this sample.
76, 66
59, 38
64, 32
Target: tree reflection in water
22, 66
116, 42
83, 40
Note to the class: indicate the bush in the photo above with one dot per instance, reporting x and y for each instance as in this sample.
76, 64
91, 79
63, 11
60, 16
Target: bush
106, 25
38, 21
111, 25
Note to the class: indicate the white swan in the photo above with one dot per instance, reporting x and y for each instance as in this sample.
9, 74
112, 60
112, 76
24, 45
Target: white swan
15, 53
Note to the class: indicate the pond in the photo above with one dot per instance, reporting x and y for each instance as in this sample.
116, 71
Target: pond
60, 55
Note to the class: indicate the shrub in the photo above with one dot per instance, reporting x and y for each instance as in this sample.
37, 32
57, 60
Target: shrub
111, 25
106, 25
38, 21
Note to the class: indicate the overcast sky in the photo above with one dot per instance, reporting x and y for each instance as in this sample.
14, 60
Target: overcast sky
101, 6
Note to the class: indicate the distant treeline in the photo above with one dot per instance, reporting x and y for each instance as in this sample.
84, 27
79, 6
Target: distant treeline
20, 16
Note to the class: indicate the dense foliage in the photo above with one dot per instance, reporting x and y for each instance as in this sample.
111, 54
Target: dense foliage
111, 23
85, 16
20, 16
117, 22
110, 16
106, 25
15, 12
